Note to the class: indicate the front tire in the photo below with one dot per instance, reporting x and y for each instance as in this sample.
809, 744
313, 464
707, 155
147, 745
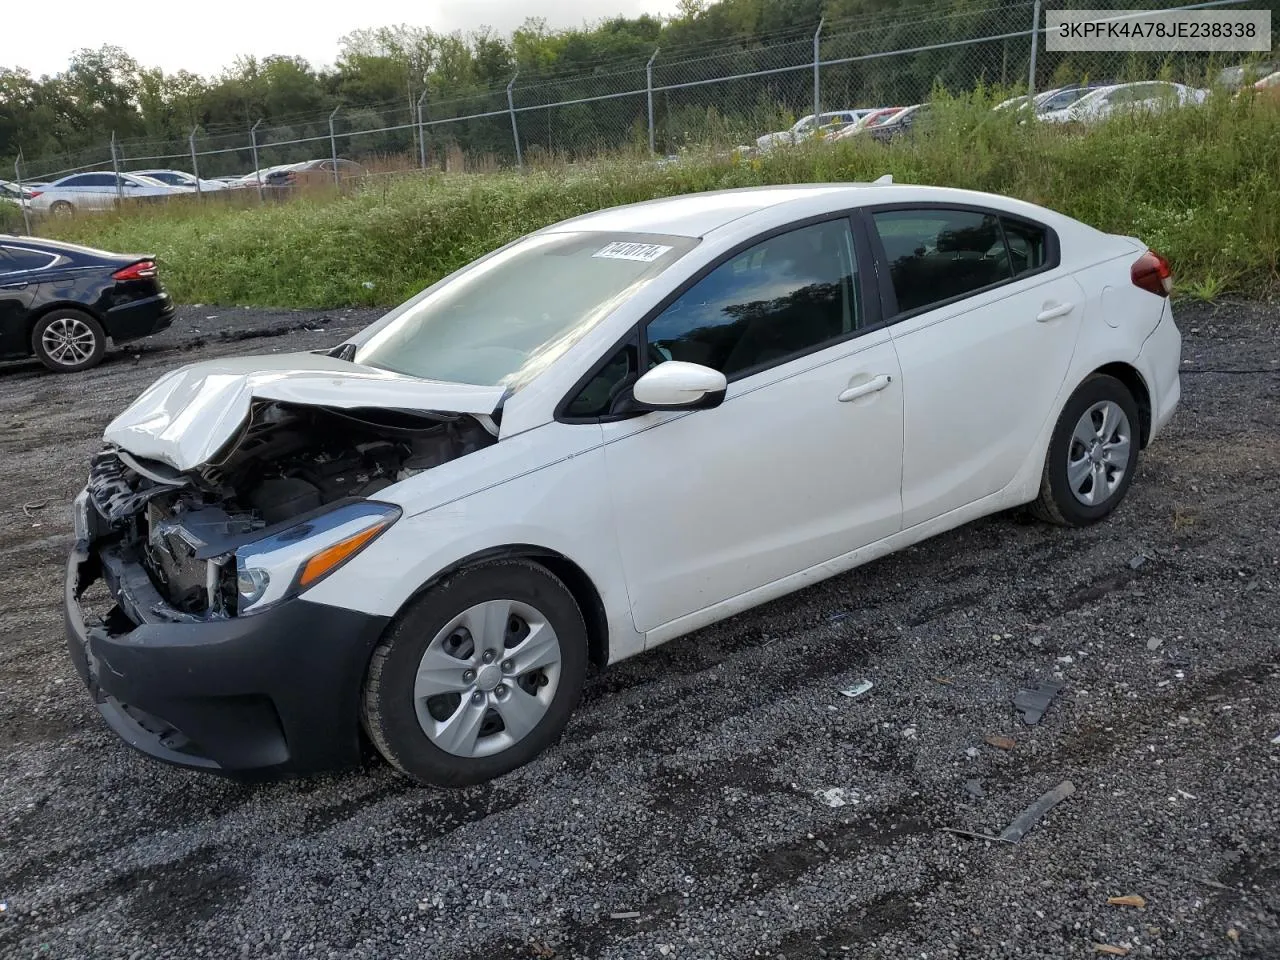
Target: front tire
62, 209
68, 341
1092, 455
478, 676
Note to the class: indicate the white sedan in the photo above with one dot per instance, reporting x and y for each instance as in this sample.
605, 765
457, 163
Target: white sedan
98, 191
180, 178
1147, 97
591, 441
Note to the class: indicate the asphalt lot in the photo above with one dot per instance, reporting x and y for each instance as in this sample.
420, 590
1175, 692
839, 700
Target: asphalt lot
685, 789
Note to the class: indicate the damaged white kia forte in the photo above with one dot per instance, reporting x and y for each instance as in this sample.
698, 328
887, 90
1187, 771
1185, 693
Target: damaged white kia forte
600, 437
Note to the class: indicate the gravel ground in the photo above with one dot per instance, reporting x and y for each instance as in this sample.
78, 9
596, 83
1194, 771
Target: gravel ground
687, 788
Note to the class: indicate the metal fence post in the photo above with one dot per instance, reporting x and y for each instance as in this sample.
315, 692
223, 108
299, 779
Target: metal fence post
515, 130
195, 164
115, 167
22, 196
333, 144
648, 79
422, 131
257, 171
817, 80
1035, 46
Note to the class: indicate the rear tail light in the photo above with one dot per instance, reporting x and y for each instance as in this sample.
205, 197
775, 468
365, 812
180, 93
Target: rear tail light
142, 270
1151, 272
32, 194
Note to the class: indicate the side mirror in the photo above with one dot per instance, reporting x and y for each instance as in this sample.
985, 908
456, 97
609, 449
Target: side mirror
677, 385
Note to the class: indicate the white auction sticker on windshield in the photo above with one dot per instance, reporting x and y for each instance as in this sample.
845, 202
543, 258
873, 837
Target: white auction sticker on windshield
641, 252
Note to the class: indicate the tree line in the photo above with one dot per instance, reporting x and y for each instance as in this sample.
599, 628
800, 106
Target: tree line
380, 77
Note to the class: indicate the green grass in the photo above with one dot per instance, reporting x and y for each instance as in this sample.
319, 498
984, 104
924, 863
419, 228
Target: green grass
1200, 185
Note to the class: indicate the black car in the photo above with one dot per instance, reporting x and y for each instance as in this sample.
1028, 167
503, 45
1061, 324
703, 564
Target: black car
60, 302
903, 125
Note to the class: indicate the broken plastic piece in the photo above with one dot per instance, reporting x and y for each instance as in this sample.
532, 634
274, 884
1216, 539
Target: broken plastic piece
625, 915
1110, 950
1137, 561
1029, 817
858, 689
1000, 742
974, 788
836, 796
1034, 702
1131, 900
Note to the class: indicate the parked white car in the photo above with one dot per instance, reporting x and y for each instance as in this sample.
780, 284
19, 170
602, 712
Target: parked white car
1148, 97
15, 196
807, 127
180, 178
600, 437
98, 191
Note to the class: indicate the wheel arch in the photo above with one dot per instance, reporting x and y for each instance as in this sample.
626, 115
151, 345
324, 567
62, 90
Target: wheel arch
580, 585
1128, 375
42, 311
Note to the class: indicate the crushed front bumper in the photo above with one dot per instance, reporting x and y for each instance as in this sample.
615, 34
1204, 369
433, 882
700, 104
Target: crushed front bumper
259, 696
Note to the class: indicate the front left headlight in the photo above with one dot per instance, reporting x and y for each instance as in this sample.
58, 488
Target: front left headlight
281, 566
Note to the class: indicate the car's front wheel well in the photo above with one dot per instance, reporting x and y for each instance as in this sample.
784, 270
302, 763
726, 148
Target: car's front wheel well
1133, 381
573, 576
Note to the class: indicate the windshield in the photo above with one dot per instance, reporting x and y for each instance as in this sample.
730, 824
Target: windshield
512, 315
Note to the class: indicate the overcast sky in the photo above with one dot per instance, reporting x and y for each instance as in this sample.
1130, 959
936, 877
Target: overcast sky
210, 38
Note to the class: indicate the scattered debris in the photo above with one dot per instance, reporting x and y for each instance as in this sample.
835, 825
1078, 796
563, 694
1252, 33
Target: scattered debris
1276, 740
1001, 742
909, 733
1154, 643
1034, 702
625, 915
1130, 900
836, 796
1184, 794
1233, 934
368, 284
1136, 562
972, 752
1026, 820
838, 616
974, 788
945, 681
1214, 883
1029, 817
1110, 950
29, 508
858, 689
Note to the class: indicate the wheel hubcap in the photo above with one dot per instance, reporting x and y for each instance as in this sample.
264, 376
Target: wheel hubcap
1099, 453
487, 678
68, 341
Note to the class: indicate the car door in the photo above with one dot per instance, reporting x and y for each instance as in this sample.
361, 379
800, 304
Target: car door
985, 325
18, 290
801, 462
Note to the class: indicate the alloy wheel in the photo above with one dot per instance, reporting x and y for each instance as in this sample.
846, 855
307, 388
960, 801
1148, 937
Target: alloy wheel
68, 341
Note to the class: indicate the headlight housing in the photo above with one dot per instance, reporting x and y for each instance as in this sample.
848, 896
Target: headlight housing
276, 568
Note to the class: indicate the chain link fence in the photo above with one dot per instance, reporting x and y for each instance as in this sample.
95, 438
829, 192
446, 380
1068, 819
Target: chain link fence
717, 95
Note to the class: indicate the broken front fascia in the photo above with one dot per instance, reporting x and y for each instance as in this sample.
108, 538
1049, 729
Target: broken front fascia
187, 416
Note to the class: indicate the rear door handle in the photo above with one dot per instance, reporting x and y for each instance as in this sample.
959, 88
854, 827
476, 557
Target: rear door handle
1053, 313
874, 385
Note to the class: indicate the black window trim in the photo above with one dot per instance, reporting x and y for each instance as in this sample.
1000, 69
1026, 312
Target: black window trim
889, 297
870, 303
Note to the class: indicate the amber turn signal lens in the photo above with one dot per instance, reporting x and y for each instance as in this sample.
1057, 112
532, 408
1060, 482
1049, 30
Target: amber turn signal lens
330, 557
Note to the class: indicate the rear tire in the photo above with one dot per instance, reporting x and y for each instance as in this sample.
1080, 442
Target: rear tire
478, 675
1092, 455
62, 209
68, 341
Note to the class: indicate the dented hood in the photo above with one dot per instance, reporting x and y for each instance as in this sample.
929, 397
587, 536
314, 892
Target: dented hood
186, 416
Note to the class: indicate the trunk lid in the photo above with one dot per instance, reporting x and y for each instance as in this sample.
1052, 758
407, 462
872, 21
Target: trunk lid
188, 415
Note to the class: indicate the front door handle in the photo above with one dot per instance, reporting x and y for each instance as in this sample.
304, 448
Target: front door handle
18, 285
1053, 313
874, 385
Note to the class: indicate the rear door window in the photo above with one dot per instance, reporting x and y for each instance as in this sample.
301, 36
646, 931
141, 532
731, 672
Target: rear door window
937, 254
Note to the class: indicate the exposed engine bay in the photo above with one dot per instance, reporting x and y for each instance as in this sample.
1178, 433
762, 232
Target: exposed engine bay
287, 462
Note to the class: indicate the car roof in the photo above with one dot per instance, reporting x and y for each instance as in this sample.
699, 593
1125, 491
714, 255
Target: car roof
59, 246
700, 214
